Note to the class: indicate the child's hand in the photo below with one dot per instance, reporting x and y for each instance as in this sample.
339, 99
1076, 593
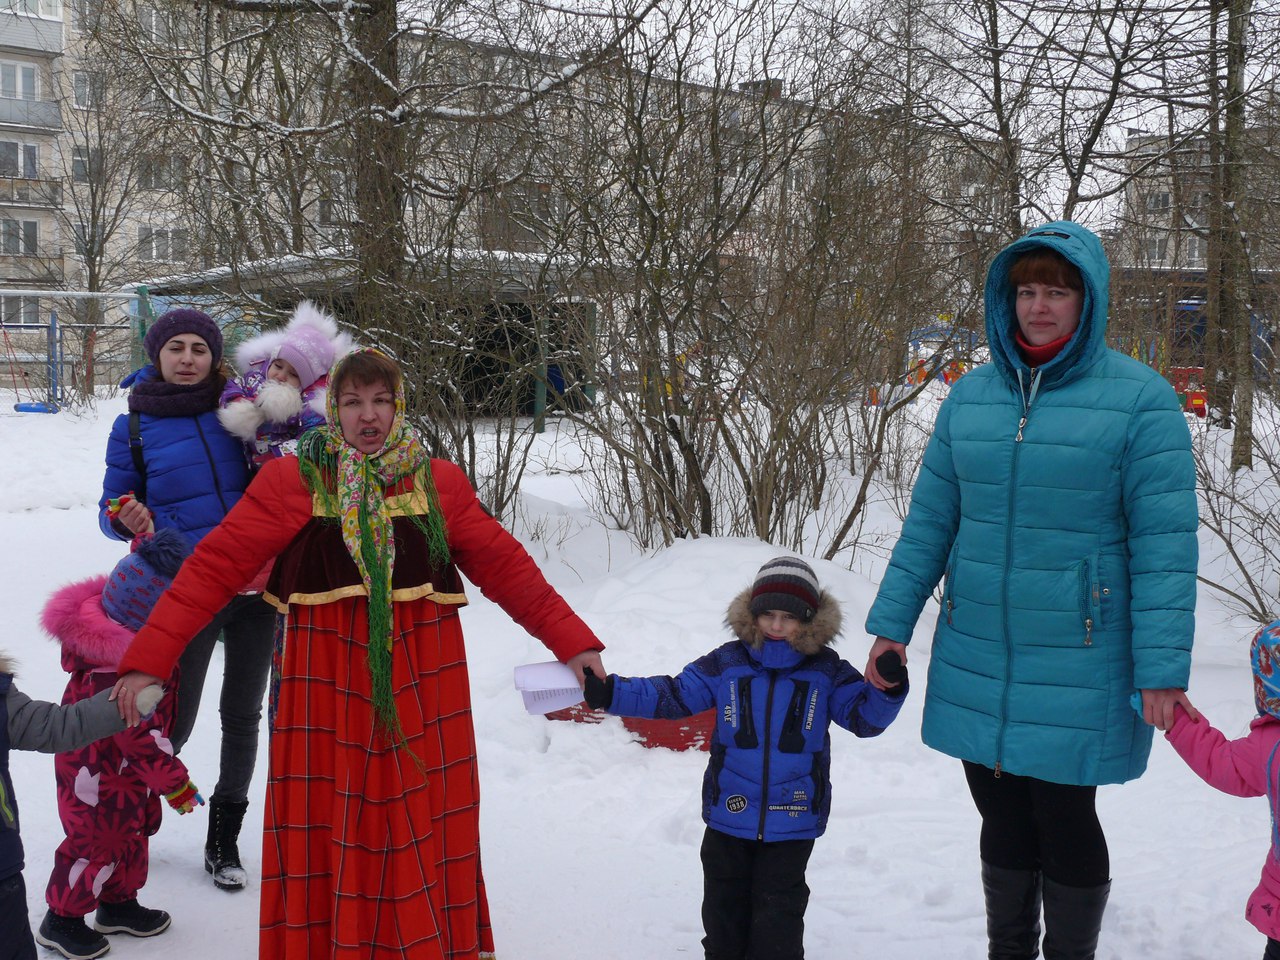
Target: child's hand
148, 699
599, 693
1159, 707
186, 798
893, 671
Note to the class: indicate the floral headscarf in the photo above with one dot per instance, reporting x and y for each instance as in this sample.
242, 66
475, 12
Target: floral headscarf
350, 485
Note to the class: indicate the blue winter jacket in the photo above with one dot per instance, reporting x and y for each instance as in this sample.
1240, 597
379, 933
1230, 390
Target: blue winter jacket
1059, 506
196, 471
769, 773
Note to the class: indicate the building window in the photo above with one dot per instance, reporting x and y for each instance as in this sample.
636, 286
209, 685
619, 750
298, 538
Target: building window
19, 238
17, 80
18, 159
162, 172
1158, 202
1197, 250
154, 24
19, 310
329, 212
85, 164
165, 243
86, 89
1156, 248
85, 15
88, 242
49, 9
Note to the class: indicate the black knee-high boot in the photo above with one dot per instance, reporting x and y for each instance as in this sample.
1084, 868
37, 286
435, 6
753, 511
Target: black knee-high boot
1073, 920
1013, 912
221, 852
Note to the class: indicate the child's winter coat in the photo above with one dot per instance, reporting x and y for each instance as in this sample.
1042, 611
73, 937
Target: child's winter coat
768, 777
109, 792
1242, 768
267, 416
27, 724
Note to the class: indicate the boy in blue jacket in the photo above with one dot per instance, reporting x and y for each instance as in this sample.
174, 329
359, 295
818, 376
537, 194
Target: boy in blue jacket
766, 793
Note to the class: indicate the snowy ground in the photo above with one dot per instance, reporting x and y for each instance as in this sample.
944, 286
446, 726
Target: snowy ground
591, 842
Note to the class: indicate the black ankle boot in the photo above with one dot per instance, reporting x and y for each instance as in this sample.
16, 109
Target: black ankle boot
1013, 912
221, 854
1073, 920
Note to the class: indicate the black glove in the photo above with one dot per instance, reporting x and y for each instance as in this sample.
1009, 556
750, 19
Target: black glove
599, 693
892, 670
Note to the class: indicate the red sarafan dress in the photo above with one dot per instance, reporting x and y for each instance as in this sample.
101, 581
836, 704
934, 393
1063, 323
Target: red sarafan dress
369, 851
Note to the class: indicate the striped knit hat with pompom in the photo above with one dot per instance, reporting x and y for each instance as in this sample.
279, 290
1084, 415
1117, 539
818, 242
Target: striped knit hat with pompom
788, 584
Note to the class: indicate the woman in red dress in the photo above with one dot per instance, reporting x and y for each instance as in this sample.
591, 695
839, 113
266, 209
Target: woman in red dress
371, 846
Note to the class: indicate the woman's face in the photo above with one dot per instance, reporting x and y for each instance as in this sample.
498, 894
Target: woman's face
185, 358
1047, 312
365, 414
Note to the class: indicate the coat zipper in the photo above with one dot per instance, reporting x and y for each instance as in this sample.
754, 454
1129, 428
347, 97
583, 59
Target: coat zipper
1027, 401
1086, 611
768, 743
213, 468
948, 601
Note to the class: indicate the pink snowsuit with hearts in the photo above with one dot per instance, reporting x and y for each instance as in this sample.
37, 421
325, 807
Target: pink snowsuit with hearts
109, 793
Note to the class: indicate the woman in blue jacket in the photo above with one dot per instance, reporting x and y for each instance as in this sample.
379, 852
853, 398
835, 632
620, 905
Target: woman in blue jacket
171, 464
766, 794
1056, 502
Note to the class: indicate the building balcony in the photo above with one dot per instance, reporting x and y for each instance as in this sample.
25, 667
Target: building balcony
28, 192
38, 114
45, 267
23, 33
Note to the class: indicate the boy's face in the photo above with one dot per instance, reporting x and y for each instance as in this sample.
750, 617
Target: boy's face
281, 371
778, 624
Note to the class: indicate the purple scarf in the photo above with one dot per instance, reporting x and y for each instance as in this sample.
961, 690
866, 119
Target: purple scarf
158, 398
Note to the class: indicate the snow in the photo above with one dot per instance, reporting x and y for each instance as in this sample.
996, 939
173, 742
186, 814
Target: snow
591, 841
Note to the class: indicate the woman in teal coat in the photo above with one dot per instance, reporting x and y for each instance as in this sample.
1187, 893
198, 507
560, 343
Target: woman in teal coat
1056, 502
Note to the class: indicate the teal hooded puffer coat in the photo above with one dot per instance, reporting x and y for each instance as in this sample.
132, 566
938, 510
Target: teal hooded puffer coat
1059, 508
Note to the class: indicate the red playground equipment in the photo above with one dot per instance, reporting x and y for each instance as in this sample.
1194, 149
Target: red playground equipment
1188, 382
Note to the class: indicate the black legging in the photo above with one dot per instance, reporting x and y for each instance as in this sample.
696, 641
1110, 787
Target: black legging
1273, 950
1030, 824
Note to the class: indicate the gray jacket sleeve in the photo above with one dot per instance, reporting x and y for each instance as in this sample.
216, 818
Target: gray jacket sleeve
53, 728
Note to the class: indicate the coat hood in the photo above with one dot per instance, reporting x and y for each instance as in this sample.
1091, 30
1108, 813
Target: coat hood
7, 663
309, 326
75, 618
819, 632
1083, 249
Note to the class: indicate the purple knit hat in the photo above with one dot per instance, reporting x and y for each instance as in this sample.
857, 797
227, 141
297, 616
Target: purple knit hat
181, 320
136, 583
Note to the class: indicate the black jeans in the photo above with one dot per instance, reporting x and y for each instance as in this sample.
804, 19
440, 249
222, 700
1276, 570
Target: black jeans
16, 942
754, 897
246, 625
1030, 824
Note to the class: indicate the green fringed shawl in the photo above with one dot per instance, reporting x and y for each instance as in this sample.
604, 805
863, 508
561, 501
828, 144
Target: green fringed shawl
350, 485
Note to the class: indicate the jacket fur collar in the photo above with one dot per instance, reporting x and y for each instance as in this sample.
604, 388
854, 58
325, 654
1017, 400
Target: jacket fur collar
819, 632
75, 618
7, 664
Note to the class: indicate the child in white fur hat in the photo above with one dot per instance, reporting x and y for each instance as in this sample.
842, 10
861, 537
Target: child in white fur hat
284, 374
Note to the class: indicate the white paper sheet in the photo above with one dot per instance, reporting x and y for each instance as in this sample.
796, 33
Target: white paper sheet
546, 687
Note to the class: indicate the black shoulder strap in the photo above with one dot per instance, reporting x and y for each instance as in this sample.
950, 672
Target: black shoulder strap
135, 448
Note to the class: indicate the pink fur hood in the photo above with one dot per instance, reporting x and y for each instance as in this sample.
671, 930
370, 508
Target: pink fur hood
75, 618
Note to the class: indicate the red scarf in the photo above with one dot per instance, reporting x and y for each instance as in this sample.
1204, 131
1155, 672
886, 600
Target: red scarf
1039, 356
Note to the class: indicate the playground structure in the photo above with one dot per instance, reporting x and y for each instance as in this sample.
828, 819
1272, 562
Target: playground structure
36, 361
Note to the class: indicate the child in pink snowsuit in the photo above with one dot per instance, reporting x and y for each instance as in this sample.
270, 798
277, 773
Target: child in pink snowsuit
109, 792
1248, 767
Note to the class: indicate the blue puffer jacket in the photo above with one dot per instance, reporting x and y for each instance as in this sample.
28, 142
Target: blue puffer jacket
769, 773
196, 471
1060, 507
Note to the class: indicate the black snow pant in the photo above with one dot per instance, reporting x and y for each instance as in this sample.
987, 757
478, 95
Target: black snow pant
16, 942
1030, 824
1273, 950
754, 897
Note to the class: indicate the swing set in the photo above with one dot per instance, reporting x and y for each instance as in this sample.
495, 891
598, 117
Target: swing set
53, 360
